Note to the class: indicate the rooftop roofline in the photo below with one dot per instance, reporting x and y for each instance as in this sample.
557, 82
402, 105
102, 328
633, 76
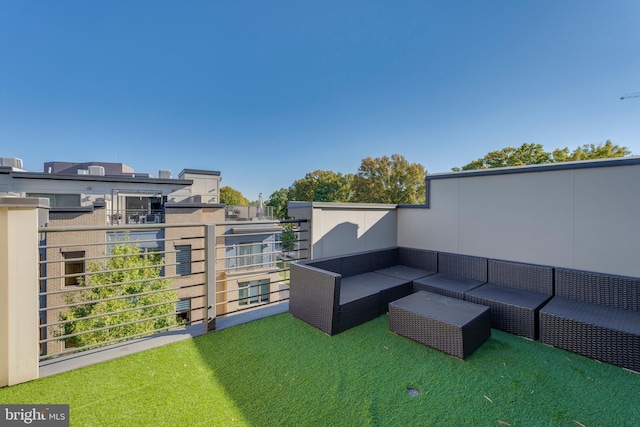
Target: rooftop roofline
342, 205
546, 167
99, 178
185, 205
199, 172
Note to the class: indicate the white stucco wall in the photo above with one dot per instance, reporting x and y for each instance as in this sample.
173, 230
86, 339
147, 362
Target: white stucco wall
342, 228
585, 218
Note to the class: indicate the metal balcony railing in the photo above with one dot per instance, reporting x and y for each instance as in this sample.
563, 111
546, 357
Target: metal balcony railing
135, 216
103, 285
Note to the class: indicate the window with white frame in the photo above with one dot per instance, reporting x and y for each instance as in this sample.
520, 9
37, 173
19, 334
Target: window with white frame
250, 254
253, 292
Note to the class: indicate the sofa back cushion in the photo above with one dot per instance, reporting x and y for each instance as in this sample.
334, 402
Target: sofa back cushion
528, 277
350, 265
384, 258
418, 258
598, 288
330, 264
464, 266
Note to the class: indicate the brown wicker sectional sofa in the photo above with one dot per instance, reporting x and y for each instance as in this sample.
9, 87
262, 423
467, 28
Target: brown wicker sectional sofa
593, 314
338, 293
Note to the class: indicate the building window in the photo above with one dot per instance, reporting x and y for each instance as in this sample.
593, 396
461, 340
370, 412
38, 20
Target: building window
183, 260
253, 292
73, 267
249, 254
59, 200
183, 310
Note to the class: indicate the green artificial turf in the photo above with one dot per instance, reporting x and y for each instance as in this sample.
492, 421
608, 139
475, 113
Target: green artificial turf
281, 371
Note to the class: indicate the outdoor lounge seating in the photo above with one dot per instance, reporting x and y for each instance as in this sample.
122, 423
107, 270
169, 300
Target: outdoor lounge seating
448, 324
593, 314
457, 275
335, 294
596, 315
515, 292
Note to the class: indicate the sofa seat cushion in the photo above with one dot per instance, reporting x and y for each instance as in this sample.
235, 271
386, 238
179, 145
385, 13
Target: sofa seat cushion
442, 284
404, 272
510, 296
363, 285
626, 321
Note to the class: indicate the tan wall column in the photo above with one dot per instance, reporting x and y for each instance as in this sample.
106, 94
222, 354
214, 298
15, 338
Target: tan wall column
19, 335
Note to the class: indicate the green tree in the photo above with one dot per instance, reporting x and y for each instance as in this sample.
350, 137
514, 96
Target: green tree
323, 186
288, 237
232, 197
121, 293
279, 200
389, 180
526, 154
534, 154
601, 151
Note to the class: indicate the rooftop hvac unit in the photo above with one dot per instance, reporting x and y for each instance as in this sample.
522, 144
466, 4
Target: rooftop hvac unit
12, 162
96, 170
83, 172
164, 174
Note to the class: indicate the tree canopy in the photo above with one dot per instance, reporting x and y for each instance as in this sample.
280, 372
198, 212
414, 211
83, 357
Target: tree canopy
534, 154
125, 296
380, 180
323, 186
279, 200
232, 197
389, 180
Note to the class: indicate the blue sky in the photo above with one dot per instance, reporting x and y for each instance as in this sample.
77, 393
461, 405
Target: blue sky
267, 91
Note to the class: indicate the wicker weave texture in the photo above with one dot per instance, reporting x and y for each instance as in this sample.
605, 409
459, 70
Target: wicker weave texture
418, 258
351, 265
528, 277
329, 264
465, 266
384, 258
358, 312
314, 296
457, 341
389, 295
417, 287
591, 340
595, 315
610, 290
510, 318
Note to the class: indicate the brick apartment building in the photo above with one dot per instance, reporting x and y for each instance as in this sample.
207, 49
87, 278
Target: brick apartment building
109, 195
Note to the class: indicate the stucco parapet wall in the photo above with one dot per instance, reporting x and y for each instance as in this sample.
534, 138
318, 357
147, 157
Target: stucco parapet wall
342, 206
23, 202
547, 167
97, 178
199, 172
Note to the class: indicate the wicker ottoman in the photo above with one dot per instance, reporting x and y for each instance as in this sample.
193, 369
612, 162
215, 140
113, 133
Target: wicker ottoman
447, 324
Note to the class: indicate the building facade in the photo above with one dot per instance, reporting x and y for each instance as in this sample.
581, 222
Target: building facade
114, 204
